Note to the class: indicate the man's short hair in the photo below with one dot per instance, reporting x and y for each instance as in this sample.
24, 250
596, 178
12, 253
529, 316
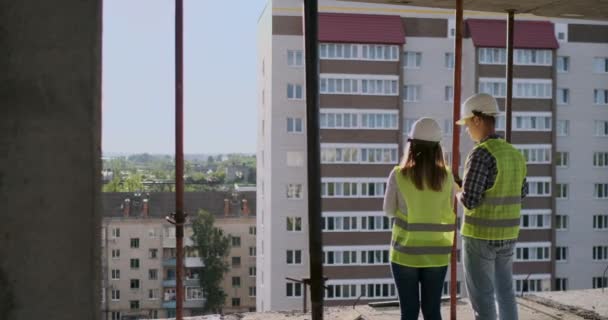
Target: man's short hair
486, 118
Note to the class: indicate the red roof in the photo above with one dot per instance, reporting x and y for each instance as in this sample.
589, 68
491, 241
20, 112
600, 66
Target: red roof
361, 28
528, 34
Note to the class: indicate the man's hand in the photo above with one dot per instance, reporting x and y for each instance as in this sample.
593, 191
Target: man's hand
457, 179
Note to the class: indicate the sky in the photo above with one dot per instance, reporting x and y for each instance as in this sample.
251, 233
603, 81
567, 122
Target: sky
219, 76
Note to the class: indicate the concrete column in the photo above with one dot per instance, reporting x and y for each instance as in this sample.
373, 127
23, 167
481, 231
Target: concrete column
50, 140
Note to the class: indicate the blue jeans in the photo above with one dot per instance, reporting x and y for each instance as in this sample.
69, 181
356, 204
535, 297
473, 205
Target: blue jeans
488, 274
419, 286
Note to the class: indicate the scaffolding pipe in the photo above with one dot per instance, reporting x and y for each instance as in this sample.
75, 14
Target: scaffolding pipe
313, 157
179, 159
509, 73
456, 144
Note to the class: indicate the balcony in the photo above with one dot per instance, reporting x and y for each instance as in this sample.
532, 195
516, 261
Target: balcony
194, 262
170, 262
169, 283
187, 304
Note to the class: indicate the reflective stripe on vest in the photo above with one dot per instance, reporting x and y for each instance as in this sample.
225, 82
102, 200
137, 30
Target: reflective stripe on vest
476, 221
502, 201
421, 250
440, 227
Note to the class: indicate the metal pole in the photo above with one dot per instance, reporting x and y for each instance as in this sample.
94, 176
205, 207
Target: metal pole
313, 150
456, 145
509, 74
179, 159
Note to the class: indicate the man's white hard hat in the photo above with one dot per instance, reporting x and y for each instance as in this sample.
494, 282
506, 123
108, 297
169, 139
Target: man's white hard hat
426, 129
482, 103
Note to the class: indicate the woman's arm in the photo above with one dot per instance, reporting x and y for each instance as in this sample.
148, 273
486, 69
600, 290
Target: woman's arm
390, 196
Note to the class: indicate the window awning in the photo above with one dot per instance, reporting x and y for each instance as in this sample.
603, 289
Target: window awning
361, 28
528, 34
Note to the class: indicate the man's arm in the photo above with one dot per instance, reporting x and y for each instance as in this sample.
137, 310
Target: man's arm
478, 169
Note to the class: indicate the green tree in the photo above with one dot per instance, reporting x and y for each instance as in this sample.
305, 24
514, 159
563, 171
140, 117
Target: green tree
213, 247
114, 185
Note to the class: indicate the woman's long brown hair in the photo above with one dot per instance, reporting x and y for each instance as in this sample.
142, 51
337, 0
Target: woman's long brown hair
425, 165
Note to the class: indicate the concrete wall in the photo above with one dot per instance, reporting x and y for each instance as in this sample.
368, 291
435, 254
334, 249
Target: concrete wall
50, 138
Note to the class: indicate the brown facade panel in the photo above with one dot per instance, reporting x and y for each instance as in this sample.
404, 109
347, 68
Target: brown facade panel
534, 235
359, 136
526, 268
524, 72
523, 137
359, 101
587, 33
356, 238
538, 203
356, 170
355, 204
540, 170
360, 67
357, 272
530, 105
287, 25
425, 27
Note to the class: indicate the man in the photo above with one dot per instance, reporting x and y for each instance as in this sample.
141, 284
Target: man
491, 193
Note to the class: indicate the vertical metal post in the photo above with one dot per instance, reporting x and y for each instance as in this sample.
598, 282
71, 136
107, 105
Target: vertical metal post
509, 74
179, 159
313, 151
456, 144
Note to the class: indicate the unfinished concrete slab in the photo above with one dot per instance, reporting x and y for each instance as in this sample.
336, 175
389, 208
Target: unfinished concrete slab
592, 303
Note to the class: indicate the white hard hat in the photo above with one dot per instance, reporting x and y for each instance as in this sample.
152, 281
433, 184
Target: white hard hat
426, 129
481, 102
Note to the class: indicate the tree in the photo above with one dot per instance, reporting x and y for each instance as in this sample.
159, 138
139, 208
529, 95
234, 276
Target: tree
213, 247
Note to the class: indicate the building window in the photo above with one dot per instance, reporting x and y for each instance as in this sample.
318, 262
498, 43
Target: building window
561, 253
294, 224
600, 65
600, 159
601, 128
536, 154
115, 274
563, 64
134, 243
520, 56
115, 295
252, 292
532, 252
236, 262
522, 88
294, 125
153, 274
236, 242
411, 93
600, 222
448, 127
529, 285
294, 92
492, 56
531, 122
345, 51
294, 191
295, 58
600, 253
408, 123
295, 159
412, 60
194, 293
116, 315
115, 233
339, 223
294, 256
563, 96
370, 85
294, 289
562, 159
600, 282
115, 253
379, 87
134, 263
539, 187
236, 282
236, 302
252, 251
252, 271
352, 189
153, 253
252, 230
376, 120
495, 88
562, 191
563, 128
448, 94
340, 257
600, 96
448, 60
134, 304
375, 257
375, 223
561, 222
535, 219
601, 191
561, 32
134, 283
561, 284
153, 294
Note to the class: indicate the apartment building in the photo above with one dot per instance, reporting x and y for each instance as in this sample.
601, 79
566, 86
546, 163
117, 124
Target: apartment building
378, 62
138, 253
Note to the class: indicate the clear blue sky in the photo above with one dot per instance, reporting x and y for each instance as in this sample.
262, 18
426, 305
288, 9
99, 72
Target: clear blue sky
219, 75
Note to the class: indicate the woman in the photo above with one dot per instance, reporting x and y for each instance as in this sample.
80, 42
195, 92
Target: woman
419, 197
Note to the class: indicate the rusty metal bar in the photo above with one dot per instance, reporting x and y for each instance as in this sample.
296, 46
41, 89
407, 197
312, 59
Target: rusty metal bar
314, 157
179, 158
509, 74
456, 145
